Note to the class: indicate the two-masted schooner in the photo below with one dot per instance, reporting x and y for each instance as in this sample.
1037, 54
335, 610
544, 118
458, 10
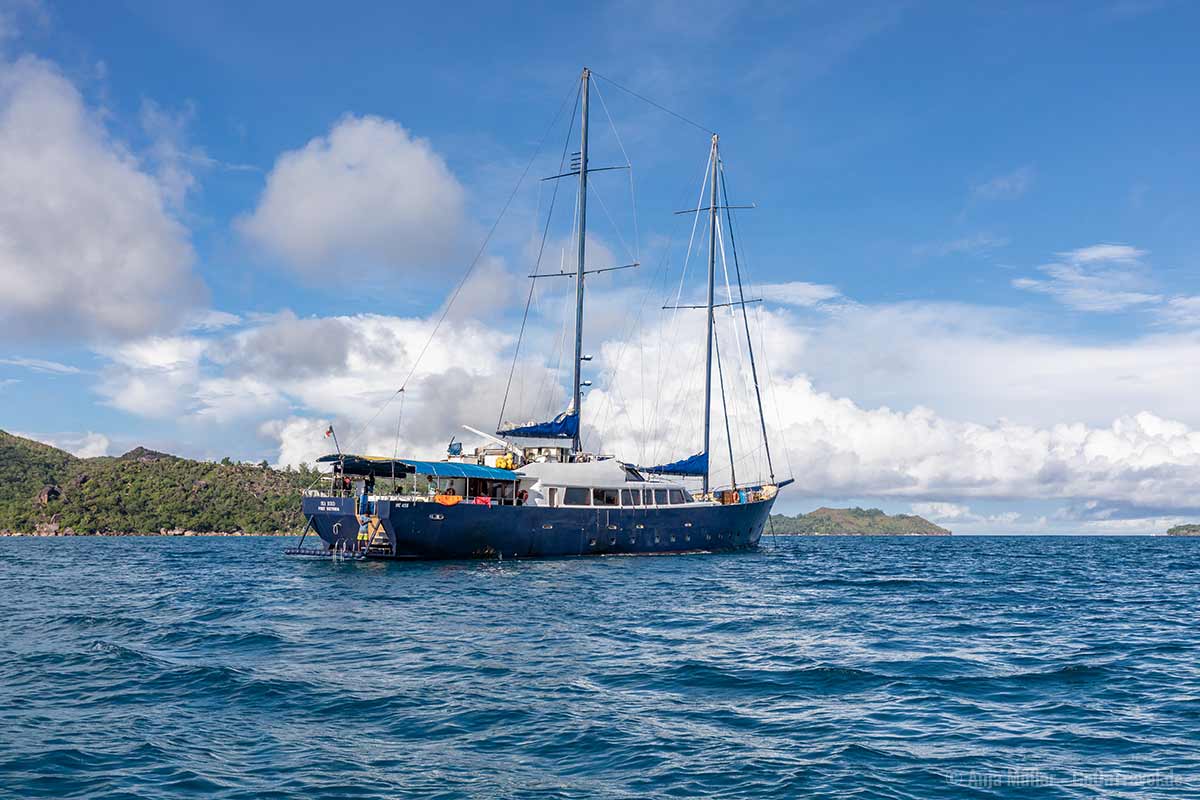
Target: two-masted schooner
509, 500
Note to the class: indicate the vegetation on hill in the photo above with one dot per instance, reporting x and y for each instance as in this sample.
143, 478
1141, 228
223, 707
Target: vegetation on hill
43, 488
1191, 529
855, 521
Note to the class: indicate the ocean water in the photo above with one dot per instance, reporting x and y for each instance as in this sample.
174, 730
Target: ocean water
816, 667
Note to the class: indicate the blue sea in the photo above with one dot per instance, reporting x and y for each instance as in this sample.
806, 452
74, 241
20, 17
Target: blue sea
964, 667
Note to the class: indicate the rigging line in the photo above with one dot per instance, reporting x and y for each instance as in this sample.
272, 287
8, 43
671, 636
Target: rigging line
787, 454
632, 194
746, 321
396, 445
674, 327
466, 275
631, 329
543, 391
616, 229
739, 370
541, 249
659, 106
724, 408
529, 306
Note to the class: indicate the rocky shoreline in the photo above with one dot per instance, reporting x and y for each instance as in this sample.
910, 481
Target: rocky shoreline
45, 531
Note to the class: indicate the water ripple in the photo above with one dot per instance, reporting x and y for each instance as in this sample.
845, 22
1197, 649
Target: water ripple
824, 667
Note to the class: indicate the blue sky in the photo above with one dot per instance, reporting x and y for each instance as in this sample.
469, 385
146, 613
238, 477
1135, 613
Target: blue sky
976, 232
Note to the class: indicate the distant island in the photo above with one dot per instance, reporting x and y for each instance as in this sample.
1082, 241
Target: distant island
45, 491
1191, 529
854, 522
49, 492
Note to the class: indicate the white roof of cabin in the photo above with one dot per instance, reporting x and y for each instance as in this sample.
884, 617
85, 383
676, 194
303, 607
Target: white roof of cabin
606, 473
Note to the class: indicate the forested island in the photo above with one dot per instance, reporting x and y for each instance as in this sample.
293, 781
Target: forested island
49, 492
854, 522
1191, 529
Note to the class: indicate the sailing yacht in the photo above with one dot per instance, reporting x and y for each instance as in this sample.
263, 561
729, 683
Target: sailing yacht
512, 499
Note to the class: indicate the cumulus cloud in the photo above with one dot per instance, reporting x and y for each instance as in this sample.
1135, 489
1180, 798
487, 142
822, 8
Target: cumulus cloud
1102, 277
88, 247
929, 403
152, 377
368, 194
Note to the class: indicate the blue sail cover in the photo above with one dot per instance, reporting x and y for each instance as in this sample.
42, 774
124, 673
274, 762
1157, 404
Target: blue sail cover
564, 426
692, 465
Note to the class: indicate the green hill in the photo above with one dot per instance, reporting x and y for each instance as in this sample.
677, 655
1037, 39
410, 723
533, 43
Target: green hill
855, 521
1191, 529
43, 488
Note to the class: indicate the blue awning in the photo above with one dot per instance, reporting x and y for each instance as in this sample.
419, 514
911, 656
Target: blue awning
692, 465
564, 426
385, 467
454, 469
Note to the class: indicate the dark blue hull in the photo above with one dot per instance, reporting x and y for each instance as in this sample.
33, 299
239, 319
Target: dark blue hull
426, 530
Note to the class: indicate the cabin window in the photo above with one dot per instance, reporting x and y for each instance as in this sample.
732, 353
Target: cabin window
605, 497
631, 497
632, 474
554, 496
677, 497
575, 496
660, 497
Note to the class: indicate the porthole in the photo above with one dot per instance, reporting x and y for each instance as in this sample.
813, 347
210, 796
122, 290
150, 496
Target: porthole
639, 526
547, 527
436, 516
687, 524
656, 539
687, 537
672, 537
612, 527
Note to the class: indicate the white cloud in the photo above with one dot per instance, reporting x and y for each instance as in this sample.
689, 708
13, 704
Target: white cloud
943, 512
88, 248
82, 445
1103, 277
368, 194
951, 404
798, 293
962, 515
300, 440
1099, 253
1011, 184
152, 377
41, 365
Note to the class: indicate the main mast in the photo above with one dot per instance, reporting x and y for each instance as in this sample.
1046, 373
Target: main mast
713, 221
579, 269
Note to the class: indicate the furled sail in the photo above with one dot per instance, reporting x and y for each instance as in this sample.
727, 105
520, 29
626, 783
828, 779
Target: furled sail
692, 465
564, 426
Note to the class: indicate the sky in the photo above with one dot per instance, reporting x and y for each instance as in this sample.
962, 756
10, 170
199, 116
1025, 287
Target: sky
976, 233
